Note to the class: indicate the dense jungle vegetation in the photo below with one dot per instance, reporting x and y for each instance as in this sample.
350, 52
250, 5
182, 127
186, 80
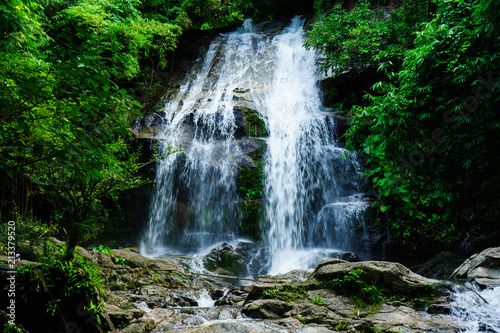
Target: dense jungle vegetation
75, 73
429, 125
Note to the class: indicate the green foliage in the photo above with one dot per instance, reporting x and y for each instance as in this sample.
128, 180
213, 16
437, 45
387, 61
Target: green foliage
256, 127
210, 14
31, 236
318, 301
108, 252
11, 328
114, 35
60, 286
356, 39
285, 292
120, 261
431, 137
353, 285
429, 131
341, 326
104, 250
64, 118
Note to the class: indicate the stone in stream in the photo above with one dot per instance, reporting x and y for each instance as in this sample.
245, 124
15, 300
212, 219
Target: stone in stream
393, 276
483, 267
225, 261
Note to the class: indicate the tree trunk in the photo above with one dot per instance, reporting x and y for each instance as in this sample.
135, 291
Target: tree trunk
70, 250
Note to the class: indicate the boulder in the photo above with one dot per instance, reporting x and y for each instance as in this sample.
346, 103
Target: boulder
258, 290
158, 315
314, 328
487, 283
180, 298
135, 260
225, 260
231, 297
483, 267
393, 276
140, 326
405, 319
266, 309
120, 316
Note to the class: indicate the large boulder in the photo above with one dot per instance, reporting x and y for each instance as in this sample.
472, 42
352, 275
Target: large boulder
266, 308
393, 276
483, 267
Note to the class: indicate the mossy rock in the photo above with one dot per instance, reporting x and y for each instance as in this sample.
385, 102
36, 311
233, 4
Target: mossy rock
224, 261
255, 125
251, 185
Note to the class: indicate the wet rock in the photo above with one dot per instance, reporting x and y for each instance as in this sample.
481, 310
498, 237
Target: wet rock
258, 290
141, 326
439, 309
232, 297
266, 308
179, 298
239, 123
349, 256
341, 119
158, 315
482, 267
393, 276
179, 320
441, 266
242, 326
216, 294
253, 124
487, 283
213, 313
225, 261
259, 263
119, 316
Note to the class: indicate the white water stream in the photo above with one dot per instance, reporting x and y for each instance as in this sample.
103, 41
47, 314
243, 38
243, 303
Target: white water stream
477, 310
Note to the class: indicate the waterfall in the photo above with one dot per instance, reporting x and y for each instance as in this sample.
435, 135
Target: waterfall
313, 196
306, 177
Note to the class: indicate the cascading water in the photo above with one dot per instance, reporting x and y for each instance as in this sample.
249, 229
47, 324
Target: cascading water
313, 196
194, 201
477, 310
305, 173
